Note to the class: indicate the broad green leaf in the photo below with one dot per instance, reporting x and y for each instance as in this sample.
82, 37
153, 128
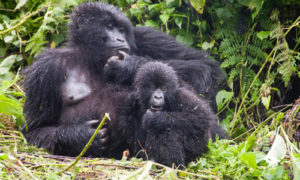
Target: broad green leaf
20, 4
8, 39
6, 64
249, 158
187, 39
222, 98
223, 13
178, 21
296, 165
2, 52
277, 151
10, 107
151, 23
154, 6
255, 5
164, 18
172, 2
266, 101
3, 156
263, 34
198, 5
206, 45
275, 173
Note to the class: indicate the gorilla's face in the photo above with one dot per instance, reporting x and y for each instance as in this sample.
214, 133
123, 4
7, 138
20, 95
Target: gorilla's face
156, 84
101, 28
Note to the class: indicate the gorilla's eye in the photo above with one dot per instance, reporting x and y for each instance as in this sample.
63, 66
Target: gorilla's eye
164, 89
109, 26
122, 29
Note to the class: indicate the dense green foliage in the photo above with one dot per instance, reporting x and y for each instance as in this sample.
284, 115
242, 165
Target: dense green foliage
256, 41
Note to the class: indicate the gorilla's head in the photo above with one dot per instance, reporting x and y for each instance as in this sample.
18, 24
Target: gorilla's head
102, 28
156, 84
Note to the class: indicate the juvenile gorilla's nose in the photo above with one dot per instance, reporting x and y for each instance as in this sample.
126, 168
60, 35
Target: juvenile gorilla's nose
157, 96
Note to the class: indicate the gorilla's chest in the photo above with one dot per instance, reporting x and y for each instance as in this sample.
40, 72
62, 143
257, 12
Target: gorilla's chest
76, 87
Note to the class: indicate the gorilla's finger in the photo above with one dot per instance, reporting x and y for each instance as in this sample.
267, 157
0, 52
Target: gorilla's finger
103, 132
113, 58
123, 55
104, 140
93, 123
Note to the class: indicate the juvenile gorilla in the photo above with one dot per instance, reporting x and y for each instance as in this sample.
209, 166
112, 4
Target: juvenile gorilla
66, 90
171, 123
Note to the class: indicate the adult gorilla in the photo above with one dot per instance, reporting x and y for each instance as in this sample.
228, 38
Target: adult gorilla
67, 94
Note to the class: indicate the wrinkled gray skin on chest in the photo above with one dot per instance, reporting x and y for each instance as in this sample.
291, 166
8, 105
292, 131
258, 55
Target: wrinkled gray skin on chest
76, 87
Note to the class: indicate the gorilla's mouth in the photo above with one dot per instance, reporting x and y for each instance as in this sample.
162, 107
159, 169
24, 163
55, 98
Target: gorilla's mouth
156, 108
124, 49
120, 55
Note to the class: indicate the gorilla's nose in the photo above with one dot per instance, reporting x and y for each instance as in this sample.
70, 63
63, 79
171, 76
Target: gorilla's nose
120, 40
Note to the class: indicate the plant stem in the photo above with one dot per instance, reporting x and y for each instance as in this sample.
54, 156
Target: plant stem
22, 21
106, 116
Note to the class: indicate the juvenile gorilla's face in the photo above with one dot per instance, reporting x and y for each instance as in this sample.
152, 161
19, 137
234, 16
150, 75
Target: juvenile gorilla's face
101, 28
156, 84
157, 99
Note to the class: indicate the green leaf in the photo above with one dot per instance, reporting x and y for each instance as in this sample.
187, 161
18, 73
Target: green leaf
178, 21
266, 101
296, 165
151, 23
172, 2
198, 5
222, 98
186, 39
3, 156
249, 158
6, 64
277, 151
2, 52
154, 6
263, 34
255, 5
164, 18
20, 4
8, 39
207, 45
10, 106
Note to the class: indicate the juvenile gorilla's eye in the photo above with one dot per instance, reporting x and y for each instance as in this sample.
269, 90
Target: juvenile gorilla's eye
164, 88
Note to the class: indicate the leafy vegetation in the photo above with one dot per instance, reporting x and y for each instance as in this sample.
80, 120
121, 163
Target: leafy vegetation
257, 43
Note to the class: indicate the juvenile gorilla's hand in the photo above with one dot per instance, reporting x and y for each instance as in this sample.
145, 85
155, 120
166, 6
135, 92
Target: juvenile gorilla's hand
153, 120
102, 136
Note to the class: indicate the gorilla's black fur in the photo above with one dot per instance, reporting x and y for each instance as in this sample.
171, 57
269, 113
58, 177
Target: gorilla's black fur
66, 91
170, 122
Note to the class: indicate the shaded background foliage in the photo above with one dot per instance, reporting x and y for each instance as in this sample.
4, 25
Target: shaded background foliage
256, 41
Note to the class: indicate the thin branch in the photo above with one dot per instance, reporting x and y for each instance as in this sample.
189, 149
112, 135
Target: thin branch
7, 10
22, 21
106, 116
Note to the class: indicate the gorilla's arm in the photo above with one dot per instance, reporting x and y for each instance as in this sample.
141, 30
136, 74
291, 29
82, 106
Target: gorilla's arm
159, 45
203, 76
43, 110
175, 137
187, 128
123, 71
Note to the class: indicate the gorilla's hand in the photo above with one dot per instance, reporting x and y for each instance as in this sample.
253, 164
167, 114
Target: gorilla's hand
121, 69
102, 136
153, 120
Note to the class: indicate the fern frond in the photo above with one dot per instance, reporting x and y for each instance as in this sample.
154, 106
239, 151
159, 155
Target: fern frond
233, 73
256, 52
231, 61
